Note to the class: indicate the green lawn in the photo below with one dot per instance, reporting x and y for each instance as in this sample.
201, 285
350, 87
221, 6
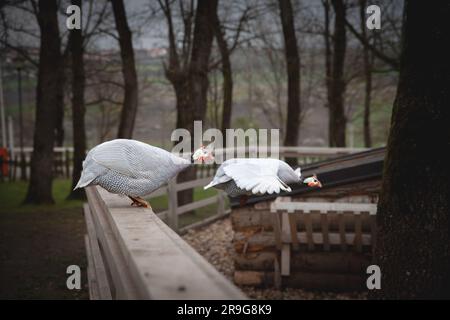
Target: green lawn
13, 193
38, 243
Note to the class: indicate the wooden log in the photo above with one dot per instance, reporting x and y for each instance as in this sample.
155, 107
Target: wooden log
248, 218
339, 262
266, 241
305, 280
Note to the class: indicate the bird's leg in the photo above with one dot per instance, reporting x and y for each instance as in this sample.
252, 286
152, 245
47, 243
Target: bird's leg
243, 200
139, 202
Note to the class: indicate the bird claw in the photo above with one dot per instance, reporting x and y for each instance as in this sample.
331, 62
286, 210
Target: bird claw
138, 202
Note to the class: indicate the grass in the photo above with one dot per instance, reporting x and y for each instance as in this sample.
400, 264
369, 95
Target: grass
38, 243
13, 193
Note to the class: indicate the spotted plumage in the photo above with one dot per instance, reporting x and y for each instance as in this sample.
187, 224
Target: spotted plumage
129, 167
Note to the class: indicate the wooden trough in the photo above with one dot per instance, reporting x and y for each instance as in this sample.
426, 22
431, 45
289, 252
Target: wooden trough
313, 245
132, 254
312, 238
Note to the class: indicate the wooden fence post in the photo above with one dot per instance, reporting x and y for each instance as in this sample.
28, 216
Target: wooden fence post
67, 164
173, 203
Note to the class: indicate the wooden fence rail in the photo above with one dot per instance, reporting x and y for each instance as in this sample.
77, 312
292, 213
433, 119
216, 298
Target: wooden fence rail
19, 167
132, 254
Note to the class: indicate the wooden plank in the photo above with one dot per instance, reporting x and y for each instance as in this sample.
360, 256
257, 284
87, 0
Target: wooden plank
161, 264
197, 204
268, 241
276, 274
325, 231
358, 233
335, 261
172, 214
159, 192
101, 275
306, 280
285, 248
293, 227
92, 280
277, 229
163, 215
249, 218
122, 286
325, 207
193, 184
285, 260
373, 232
309, 231
343, 238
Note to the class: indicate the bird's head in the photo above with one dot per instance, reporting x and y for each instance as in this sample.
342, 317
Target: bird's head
202, 154
313, 182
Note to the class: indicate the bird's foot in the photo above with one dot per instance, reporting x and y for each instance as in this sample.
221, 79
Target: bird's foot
139, 202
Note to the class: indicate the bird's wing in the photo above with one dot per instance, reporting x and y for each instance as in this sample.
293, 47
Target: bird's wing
258, 176
219, 178
133, 158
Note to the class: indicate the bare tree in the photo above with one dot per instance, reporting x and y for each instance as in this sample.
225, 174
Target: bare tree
130, 102
187, 68
78, 107
413, 234
49, 77
226, 72
368, 64
337, 119
328, 53
293, 73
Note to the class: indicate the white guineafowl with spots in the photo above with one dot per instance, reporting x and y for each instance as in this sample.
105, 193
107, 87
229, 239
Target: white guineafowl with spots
243, 177
133, 168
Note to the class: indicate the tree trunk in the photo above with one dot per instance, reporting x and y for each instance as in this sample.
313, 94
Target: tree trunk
226, 74
293, 73
195, 107
328, 54
49, 78
130, 102
413, 238
78, 107
368, 76
59, 130
337, 121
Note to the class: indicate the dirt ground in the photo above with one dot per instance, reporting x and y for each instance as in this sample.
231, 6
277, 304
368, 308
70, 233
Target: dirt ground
35, 250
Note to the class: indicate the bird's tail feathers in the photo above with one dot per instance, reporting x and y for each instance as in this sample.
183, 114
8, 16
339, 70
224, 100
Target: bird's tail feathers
211, 184
84, 181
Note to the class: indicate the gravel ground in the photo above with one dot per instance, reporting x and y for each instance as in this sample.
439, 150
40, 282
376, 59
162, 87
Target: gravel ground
214, 242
